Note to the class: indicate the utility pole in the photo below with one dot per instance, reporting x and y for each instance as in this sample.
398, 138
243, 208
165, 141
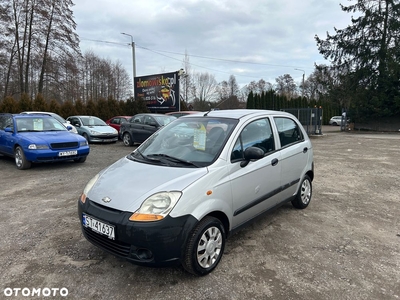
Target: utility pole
133, 62
302, 87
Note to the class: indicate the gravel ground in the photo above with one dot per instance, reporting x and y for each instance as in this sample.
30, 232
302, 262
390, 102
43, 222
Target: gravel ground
345, 245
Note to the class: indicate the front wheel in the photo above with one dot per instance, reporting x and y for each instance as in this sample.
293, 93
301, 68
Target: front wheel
80, 159
304, 194
20, 160
205, 247
126, 138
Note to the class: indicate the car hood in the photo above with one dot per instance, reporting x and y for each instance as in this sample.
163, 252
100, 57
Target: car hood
50, 137
101, 129
128, 183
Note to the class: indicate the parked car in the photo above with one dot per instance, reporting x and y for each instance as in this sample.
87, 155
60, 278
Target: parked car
181, 113
39, 138
56, 116
337, 121
115, 122
182, 192
94, 129
141, 126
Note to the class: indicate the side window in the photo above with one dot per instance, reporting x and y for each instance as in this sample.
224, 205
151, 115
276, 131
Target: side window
137, 119
6, 121
115, 121
2, 122
289, 131
256, 134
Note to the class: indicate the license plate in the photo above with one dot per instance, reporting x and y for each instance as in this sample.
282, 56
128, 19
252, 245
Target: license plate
98, 226
68, 153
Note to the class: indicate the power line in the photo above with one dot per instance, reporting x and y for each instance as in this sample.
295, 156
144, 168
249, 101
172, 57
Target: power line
198, 56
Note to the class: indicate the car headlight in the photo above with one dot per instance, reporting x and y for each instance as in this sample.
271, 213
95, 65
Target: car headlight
156, 207
94, 132
83, 143
115, 131
88, 187
37, 147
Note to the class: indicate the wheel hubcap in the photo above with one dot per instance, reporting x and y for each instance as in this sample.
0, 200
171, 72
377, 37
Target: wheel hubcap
18, 158
126, 139
305, 192
209, 247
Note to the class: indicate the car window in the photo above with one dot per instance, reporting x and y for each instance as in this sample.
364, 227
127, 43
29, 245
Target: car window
137, 119
189, 140
92, 121
256, 134
6, 121
164, 120
288, 130
74, 121
148, 120
115, 121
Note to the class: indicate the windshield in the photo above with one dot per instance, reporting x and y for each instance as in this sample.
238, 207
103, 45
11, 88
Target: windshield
187, 142
93, 121
39, 124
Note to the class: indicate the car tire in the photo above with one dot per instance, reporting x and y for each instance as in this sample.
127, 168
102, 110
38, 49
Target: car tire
20, 160
86, 137
335, 124
80, 160
127, 139
205, 247
304, 194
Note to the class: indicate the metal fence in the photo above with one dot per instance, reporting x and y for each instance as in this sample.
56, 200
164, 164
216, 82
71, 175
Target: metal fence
310, 118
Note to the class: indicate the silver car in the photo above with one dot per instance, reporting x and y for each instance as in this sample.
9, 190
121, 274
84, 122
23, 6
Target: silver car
181, 193
94, 129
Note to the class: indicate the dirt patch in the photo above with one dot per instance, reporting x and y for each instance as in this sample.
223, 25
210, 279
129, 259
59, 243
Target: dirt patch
345, 245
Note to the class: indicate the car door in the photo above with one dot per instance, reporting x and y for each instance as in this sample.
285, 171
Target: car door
6, 138
135, 128
254, 186
149, 127
77, 123
294, 154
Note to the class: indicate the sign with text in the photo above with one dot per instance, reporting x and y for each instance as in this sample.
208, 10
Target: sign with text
160, 92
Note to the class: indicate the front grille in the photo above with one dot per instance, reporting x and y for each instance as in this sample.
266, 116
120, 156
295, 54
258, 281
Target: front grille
115, 247
64, 145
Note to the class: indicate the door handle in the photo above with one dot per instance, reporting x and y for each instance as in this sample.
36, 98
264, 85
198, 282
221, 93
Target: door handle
305, 150
274, 162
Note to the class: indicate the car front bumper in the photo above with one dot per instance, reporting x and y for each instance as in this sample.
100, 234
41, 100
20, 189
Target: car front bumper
104, 139
50, 155
157, 243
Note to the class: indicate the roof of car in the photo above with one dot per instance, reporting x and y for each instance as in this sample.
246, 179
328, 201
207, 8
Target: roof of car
238, 113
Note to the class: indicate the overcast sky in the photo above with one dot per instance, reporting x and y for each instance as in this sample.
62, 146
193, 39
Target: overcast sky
250, 39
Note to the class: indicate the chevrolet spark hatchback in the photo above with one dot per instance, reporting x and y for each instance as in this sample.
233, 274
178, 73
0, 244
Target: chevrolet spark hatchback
182, 192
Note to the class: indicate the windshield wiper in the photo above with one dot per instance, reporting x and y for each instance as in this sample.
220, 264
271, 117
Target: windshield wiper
174, 159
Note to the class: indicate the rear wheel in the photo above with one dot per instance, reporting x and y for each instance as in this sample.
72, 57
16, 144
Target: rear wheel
304, 194
205, 247
20, 160
127, 139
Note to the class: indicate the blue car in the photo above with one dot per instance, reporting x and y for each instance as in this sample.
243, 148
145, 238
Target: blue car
37, 138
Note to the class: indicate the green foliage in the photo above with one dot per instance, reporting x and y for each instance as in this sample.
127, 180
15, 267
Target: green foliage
39, 104
9, 105
25, 103
365, 59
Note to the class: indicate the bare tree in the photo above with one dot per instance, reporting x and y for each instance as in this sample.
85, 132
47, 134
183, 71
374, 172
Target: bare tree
204, 88
286, 86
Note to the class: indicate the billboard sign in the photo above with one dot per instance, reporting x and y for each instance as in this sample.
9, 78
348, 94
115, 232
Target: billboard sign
160, 91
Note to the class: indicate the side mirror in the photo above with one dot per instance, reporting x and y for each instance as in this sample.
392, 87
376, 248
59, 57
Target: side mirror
251, 153
8, 129
69, 128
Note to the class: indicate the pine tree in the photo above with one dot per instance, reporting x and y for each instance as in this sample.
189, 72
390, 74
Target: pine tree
365, 57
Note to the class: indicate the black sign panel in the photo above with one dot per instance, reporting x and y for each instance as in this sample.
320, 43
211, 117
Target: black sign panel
160, 91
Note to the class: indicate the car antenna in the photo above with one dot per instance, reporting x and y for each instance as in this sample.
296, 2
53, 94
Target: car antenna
205, 115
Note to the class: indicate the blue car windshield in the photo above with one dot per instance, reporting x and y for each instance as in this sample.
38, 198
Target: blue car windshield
34, 124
